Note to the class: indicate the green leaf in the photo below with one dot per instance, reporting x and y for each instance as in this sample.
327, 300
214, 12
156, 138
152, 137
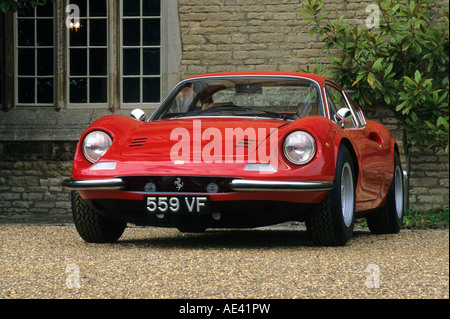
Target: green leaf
371, 79
417, 76
4, 5
395, 8
409, 80
389, 69
442, 122
359, 78
405, 46
377, 64
401, 106
313, 31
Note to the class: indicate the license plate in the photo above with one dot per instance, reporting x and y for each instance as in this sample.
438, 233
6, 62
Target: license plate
178, 204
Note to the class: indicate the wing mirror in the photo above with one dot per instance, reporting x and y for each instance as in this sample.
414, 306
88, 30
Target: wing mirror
138, 114
344, 116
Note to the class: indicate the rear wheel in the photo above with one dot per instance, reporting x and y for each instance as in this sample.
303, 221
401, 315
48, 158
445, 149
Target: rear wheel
389, 219
332, 223
91, 226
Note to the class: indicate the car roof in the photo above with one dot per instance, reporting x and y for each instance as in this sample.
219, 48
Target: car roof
318, 78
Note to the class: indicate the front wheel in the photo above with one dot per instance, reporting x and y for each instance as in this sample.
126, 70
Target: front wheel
91, 226
389, 219
332, 223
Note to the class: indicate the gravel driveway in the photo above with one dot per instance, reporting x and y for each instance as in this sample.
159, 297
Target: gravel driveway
48, 261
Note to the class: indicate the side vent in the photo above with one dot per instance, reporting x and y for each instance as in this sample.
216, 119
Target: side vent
245, 143
138, 142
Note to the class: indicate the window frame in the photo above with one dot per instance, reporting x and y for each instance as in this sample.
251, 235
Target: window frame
141, 76
88, 104
35, 47
355, 122
356, 110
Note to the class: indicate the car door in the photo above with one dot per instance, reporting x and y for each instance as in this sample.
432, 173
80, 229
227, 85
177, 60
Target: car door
369, 146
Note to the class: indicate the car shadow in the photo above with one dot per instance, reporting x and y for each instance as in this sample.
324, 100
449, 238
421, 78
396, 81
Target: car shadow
233, 238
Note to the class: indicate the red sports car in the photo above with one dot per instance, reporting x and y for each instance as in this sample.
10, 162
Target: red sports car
241, 149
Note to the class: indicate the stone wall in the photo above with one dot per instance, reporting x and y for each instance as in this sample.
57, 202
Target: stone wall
234, 35
30, 181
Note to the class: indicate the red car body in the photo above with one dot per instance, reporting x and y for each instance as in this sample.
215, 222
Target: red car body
142, 152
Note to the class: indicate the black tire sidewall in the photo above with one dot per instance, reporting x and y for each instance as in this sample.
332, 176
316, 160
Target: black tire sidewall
91, 226
395, 222
342, 231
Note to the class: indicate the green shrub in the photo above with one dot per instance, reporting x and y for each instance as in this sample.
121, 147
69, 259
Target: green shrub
402, 63
433, 219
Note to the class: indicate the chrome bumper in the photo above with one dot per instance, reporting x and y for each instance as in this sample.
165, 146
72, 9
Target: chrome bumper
94, 184
242, 185
238, 185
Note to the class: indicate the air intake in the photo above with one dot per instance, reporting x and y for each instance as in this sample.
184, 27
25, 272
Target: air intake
138, 142
245, 143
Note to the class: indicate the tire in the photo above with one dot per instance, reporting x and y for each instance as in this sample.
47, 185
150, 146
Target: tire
331, 224
91, 226
389, 219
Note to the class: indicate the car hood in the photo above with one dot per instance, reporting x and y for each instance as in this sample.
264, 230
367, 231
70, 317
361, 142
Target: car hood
196, 138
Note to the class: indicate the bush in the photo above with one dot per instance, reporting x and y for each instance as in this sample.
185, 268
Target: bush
402, 63
433, 219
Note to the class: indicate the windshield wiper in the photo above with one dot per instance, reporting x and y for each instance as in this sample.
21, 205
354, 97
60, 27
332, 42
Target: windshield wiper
234, 109
284, 116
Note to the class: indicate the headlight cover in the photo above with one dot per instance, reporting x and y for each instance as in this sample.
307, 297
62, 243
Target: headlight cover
95, 145
299, 147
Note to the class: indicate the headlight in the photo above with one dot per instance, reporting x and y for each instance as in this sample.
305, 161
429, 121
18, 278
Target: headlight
95, 145
299, 147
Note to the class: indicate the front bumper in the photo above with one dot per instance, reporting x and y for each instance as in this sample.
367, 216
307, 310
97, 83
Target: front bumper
237, 185
240, 202
242, 185
94, 184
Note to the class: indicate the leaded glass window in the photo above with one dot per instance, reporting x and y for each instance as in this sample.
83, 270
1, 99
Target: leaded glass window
35, 64
88, 54
140, 52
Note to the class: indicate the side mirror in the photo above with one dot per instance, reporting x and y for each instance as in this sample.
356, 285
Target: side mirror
138, 114
344, 116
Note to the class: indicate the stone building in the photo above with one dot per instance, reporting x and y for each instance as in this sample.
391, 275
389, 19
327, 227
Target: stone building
56, 80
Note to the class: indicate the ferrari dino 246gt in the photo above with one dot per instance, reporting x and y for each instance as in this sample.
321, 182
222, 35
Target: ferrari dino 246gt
239, 150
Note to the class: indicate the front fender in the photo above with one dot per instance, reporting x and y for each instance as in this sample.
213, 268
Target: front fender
117, 126
328, 136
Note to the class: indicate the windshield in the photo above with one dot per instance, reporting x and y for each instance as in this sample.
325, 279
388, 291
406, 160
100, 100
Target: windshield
280, 98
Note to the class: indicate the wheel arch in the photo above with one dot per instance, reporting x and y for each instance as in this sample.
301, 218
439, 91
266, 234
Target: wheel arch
395, 149
348, 145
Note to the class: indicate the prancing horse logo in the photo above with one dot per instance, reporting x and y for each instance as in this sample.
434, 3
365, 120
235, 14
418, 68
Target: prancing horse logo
178, 184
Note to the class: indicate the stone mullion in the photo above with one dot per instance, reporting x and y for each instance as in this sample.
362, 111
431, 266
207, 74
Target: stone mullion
60, 55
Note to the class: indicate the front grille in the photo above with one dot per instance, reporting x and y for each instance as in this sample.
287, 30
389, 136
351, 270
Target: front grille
178, 184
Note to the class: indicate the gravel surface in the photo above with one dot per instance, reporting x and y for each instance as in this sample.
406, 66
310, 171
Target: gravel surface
48, 261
